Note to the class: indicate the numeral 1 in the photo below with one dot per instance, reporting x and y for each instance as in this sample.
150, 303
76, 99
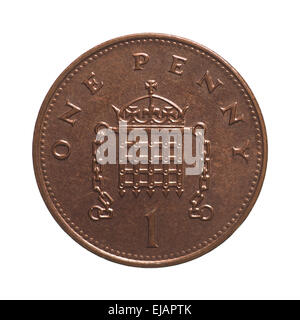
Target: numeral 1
151, 218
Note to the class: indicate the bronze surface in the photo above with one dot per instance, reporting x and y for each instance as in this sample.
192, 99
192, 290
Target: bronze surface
149, 216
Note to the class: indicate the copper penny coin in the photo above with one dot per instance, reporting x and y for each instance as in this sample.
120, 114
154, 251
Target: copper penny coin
150, 213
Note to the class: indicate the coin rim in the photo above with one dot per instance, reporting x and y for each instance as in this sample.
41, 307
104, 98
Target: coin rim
69, 230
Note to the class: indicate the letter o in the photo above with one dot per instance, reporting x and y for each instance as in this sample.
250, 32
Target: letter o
61, 155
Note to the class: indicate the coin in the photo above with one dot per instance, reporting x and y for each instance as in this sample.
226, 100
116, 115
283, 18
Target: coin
156, 211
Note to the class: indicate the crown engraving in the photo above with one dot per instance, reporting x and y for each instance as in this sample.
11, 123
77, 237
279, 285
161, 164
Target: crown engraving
151, 109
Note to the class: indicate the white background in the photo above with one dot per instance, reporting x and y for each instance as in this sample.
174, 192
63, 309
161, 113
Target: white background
39, 39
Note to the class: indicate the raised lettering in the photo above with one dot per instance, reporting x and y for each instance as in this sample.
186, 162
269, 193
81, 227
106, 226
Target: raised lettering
62, 155
140, 59
234, 117
93, 84
67, 115
177, 65
211, 86
242, 151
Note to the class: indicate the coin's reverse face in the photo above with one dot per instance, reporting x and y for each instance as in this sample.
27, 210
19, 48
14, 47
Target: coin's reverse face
150, 150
